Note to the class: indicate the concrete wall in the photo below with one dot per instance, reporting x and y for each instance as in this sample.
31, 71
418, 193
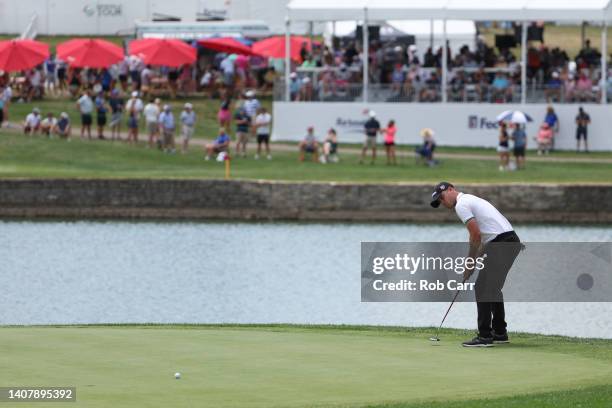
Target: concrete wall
455, 124
264, 200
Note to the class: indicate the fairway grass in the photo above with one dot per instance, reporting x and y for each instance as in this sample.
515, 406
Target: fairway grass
37, 157
297, 366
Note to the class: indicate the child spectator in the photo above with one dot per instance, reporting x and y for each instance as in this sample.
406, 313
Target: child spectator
224, 115
389, 139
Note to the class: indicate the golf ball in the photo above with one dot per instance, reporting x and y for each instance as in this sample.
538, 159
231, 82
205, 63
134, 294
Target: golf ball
177, 375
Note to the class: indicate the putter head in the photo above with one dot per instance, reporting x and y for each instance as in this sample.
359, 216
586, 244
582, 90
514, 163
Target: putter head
434, 339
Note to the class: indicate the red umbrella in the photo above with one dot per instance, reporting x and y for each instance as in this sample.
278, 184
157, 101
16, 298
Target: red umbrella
274, 47
157, 51
89, 52
226, 44
18, 55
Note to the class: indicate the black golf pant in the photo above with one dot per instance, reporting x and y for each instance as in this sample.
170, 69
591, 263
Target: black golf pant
501, 253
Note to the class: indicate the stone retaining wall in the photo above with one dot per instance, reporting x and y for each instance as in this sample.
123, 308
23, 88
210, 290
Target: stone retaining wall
269, 200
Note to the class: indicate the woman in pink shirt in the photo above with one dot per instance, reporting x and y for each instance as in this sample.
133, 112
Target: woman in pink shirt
389, 138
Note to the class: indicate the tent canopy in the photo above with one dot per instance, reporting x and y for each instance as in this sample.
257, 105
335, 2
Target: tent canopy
500, 10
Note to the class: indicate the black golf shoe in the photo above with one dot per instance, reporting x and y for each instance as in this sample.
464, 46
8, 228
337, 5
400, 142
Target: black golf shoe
479, 342
500, 338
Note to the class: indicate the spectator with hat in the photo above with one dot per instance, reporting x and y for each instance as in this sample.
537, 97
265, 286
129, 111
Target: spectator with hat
32, 122
371, 128
62, 126
188, 121
134, 108
167, 126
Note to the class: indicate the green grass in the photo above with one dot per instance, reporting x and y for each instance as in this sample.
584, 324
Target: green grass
38, 157
300, 366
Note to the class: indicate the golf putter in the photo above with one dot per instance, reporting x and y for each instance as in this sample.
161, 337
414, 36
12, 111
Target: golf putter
437, 336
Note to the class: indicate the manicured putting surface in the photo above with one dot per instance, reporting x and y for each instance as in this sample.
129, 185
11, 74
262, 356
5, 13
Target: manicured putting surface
284, 367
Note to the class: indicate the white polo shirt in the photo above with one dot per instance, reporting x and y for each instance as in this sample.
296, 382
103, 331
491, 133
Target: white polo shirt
490, 221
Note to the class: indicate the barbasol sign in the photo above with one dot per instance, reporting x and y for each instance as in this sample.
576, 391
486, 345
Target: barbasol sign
350, 125
481, 122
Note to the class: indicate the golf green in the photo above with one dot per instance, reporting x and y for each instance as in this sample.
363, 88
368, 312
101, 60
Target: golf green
134, 366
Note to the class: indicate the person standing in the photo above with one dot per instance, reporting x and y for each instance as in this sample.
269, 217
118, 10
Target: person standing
133, 108
503, 147
188, 121
262, 124
5, 96
242, 130
553, 122
520, 145
389, 134
583, 120
371, 127
167, 126
101, 109
85, 106
116, 104
252, 105
487, 227
151, 113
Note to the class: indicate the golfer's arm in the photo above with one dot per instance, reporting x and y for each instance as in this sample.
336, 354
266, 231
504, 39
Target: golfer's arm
475, 238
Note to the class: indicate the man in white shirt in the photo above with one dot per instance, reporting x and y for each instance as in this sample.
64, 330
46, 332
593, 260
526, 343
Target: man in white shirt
151, 114
47, 124
133, 107
32, 122
492, 236
262, 129
85, 105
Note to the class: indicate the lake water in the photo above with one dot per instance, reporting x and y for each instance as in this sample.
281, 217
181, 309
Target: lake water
101, 272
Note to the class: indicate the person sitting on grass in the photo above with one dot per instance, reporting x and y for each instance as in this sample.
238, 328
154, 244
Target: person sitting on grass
309, 145
32, 122
544, 139
330, 147
220, 144
47, 124
62, 127
426, 150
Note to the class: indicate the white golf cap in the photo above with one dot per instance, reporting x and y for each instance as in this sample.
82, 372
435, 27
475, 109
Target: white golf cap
293, 75
306, 80
372, 114
188, 105
250, 93
134, 94
36, 110
166, 107
64, 115
555, 74
412, 47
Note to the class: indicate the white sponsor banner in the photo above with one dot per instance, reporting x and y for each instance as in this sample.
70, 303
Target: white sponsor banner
460, 124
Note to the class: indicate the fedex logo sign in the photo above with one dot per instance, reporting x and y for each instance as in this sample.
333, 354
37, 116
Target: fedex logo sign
476, 122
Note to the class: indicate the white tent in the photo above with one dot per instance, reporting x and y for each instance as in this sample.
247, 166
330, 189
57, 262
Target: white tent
458, 32
504, 10
500, 10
